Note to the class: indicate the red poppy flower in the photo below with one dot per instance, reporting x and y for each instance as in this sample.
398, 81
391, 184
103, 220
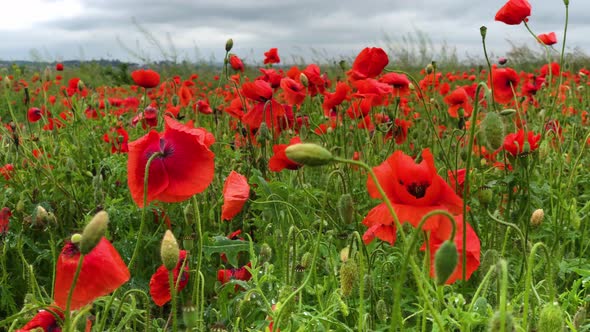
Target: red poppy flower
184, 168
59, 66
34, 114
44, 319
459, 99
203, 107
236, 191
146, 78
236, 63
369, 63
259, 91
399, 82
293, 91
4, 219
279, 160
332, 100
242, 273
102, 272
414, 190
473, 248
272, 56
505, 82
119, 139
514, 12
160, 281
185, 95
515, 144
548, 38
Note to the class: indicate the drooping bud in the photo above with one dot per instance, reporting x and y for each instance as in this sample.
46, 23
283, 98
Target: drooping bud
551, 319
309, 154
265, 252
382, 312
492, 129
229, 44
169, 251
537, 217
445, 261
348, 277
496, 323
93, 232
346, 209
40, 215
306, 260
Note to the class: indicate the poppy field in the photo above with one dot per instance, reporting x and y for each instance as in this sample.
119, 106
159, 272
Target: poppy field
355, 196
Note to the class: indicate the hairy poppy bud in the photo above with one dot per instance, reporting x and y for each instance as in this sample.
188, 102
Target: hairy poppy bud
382, 311
492, 129
550, 319
229, 44
348, 277
309, 154
495, 323
190, 317
169, 251
445, 261
304, 80
81, 85
345, 254
537, 217
306, 259
429, 69
6, 82
40, 215
346, 209
265, 252
93, 232
508, 112
485, 196
76, 238
263, 134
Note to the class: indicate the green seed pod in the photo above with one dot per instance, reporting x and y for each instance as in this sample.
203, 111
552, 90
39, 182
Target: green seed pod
93, 232
495, 323
492, 129
382, 312
348, 277
485, 196
551, 319
309, 154
481, 306
368, 285
346, 209
263, 134
445, 261
169, 251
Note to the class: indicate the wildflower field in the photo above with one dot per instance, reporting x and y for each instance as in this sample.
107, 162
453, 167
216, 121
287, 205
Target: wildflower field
348, 197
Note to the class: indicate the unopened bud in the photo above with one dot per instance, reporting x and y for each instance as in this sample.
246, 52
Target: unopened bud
309, 154
551, 319
537, 217
346, 209
93, 232
344, 254
508, 112
229, 44
76, 238
190, 317
306, 260
7, 82
40, 214
348, 277
492, 129
566, 2
483, 30
445, 261
81, 85
304, 80
265, 252
382, 311
429, 69
169, 251
496, 322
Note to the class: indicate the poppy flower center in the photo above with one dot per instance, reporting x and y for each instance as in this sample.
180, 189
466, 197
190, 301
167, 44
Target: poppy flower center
165, 149
417, 190
71, 250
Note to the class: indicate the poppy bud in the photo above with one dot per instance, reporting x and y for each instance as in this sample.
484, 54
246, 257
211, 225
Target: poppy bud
537, 217
76, 238
507, 112
263, 133
47, 74
445, 261
485, 196
483, 30
550, 319
190, 317
81, 85
265, 252
502, 61
169, 251
308, 154
348, 277
6, 82
342, 64
229, 44
429, 69
306, 259
304, 80
40, 215
93, 232
566, 2
346, 209
382, 311
492, 128
495, 323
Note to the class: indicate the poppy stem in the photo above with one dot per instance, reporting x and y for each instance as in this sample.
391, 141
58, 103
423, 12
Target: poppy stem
71, 293
145, 196
173, 299
198, 297
529, 280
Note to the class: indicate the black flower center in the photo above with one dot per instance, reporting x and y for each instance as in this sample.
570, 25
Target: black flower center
417, 190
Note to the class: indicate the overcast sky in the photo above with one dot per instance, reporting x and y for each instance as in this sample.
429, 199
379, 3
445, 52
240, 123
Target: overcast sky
55, 30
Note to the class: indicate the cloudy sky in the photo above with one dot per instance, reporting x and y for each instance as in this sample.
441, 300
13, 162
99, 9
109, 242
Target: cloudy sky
55, 30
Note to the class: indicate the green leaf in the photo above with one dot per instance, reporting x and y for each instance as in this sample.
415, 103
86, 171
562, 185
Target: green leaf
231, 248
